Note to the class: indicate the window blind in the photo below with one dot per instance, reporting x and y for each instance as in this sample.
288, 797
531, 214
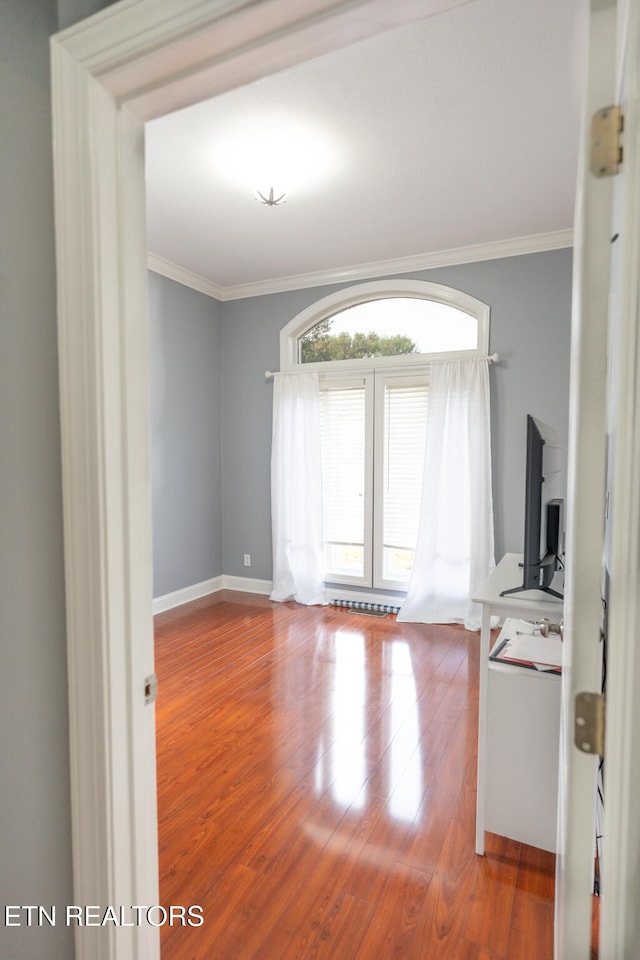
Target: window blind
405, 424
342, 430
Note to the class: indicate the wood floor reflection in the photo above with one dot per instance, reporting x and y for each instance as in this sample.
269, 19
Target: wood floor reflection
316, 792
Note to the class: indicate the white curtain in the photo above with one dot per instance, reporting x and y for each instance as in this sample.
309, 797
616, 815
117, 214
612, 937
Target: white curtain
455, 551
296, 490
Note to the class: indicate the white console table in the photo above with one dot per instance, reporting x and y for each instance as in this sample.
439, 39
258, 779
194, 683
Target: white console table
518, 722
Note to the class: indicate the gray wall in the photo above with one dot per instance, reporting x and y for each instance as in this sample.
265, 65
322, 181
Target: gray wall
35, 852
71, 11
35, 832
186, 445
530, 300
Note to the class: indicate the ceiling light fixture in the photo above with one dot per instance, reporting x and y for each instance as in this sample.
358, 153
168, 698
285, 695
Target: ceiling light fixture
271, 200
273, 154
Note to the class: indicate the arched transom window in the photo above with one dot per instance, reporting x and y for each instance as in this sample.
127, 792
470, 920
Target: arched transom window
410, 321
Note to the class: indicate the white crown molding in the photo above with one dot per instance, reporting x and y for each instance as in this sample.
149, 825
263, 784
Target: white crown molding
422, 261
181, 275
500, 249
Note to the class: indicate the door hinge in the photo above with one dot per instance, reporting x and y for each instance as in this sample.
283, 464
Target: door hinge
589, 723
150, 688
606, 147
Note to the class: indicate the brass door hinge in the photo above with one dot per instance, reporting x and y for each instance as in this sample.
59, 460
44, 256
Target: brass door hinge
606, 147
589, 723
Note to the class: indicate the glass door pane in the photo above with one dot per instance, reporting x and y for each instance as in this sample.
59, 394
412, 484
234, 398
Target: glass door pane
343, 438
405, 421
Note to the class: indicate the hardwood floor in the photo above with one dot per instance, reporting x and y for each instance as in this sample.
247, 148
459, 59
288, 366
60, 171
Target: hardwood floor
316, 792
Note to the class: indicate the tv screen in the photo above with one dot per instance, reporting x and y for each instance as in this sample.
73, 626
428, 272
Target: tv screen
544, 509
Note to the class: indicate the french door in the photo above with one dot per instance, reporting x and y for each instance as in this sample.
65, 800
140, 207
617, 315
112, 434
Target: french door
373, 432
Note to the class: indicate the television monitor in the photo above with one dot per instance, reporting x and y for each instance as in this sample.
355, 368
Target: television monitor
543, 511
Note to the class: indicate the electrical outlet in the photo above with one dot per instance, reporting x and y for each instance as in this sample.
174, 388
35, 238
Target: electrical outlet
247, 559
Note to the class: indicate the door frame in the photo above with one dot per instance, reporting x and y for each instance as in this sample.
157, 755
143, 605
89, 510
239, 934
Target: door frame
587, 449
605, 557
132, 62
620, 918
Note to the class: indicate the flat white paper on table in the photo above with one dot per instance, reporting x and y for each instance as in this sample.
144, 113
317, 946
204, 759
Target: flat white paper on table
535, 649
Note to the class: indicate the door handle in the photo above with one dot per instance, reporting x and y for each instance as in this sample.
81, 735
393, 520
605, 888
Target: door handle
548, 629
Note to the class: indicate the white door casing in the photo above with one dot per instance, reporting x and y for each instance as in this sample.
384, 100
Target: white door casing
133, 61
608, 308
620, 918
585, 508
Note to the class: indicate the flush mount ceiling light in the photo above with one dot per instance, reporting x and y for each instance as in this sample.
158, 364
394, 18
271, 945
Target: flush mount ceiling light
270, 200
270, 156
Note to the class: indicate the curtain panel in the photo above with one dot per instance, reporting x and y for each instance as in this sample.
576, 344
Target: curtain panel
296, 490
455, 547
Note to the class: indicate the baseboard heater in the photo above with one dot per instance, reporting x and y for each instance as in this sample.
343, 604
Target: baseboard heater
362, 606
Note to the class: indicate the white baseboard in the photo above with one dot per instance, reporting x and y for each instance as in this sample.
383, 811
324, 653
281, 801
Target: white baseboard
198, 590
261, 587
248, 585
187, 594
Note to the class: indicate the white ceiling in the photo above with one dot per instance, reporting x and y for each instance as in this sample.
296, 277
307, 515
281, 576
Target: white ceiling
458, 131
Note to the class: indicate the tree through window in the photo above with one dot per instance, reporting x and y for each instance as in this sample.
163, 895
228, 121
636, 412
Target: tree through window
389, 327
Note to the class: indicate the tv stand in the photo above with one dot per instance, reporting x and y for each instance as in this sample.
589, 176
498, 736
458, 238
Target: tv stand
546, 571
549, 590
518, 720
